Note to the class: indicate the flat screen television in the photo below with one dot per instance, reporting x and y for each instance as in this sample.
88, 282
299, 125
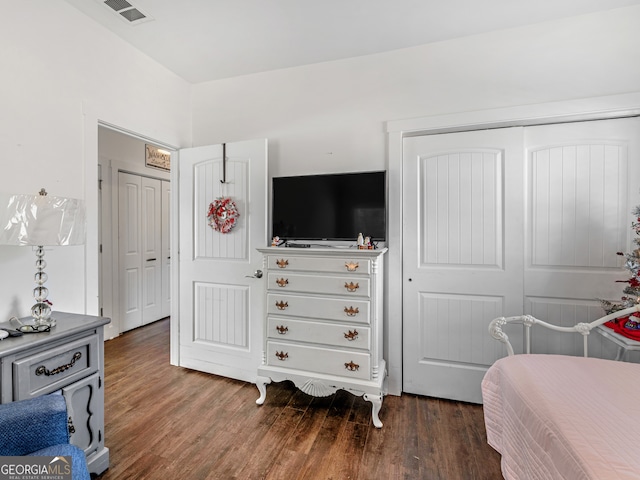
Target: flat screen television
335, 207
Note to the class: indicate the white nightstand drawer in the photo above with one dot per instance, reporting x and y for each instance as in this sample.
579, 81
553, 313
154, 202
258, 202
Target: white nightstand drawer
55, 368
350, 364
329, 285
319, 264
345, 310
349, 336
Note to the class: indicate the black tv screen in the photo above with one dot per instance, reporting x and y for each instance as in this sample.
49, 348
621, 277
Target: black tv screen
330, 207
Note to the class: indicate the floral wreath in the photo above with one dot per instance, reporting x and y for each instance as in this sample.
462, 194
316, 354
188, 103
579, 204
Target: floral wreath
222, 214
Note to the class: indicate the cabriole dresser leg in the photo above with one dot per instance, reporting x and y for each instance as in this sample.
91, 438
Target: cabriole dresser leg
261, 383
376, 405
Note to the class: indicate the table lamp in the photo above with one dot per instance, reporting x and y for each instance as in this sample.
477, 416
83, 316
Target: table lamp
42, 220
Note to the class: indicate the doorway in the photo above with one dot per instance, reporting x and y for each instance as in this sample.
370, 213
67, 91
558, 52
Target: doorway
121, 154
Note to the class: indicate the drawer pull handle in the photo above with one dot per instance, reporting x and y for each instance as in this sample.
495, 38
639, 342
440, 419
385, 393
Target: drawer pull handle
282, 263
282, 305
351, 266
282, 356
352, 367
70, 426
351, 336
42, 370
351, 287
282, 282
351, 312
282, 330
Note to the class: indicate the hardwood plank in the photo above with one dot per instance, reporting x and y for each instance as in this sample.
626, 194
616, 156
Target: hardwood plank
241, 439
266, 451
295, 453
163, 421
390, 451
343, 457
310, 425
487, 459
334, 421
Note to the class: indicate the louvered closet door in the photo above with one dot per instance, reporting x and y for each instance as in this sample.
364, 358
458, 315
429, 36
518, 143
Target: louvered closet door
462, 256
583, 181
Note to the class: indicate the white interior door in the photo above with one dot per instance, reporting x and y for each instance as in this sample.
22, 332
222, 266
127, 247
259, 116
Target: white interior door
166, 250
506, 222
130, 249
581, 189
221, 302
151, 229
462, 201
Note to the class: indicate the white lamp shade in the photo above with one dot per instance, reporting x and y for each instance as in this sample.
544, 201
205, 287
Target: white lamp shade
42, 220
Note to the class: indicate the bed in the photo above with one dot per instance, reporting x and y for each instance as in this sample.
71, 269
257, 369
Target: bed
562, 417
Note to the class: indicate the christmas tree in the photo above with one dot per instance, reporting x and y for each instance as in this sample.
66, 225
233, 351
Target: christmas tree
632, 291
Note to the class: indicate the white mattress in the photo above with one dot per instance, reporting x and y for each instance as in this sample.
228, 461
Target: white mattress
561, 417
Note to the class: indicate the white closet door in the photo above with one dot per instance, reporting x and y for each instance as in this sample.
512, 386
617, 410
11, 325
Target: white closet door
140, 249
151, 215
535, 230
582, 186
462, 256
130, 250
166, 250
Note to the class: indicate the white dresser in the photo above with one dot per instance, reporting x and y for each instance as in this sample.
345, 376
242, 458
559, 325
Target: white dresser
324, 322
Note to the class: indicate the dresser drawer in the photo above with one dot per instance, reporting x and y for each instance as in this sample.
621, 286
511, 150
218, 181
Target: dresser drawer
350, 364
320, 264
341, 309
349, 336
329, 285
55, 368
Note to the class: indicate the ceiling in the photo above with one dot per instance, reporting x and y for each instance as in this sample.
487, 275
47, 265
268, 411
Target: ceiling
202, 40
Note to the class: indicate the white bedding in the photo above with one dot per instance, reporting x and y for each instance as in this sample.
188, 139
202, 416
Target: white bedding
561, 417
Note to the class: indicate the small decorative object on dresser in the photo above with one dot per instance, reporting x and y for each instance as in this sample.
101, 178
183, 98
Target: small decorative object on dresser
324, 325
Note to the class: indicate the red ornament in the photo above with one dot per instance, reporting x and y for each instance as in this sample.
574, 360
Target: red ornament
626, 326
222, 214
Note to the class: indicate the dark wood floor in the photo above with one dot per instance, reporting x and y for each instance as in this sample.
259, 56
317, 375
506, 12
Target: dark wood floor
166, 422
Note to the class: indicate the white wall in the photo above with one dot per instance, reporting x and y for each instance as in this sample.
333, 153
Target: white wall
330, 117
61, 73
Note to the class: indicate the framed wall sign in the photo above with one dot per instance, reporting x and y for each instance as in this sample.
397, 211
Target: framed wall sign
157, 157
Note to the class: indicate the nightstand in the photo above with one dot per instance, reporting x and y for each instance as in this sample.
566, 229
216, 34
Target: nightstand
69, 358
624, 344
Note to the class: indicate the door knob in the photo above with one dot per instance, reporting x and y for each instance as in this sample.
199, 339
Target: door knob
257, 274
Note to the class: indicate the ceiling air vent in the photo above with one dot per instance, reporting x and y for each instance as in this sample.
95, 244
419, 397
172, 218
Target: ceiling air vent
133, 14
127, 12
118, 5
